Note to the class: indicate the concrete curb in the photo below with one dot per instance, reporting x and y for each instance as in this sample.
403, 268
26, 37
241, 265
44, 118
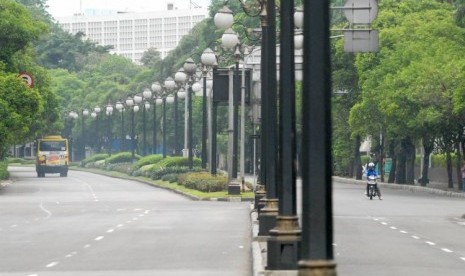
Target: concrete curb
4, 183
257, 265
406, 187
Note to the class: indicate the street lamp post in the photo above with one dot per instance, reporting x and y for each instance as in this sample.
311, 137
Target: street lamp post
230, 40
163, 97
134, 108
97, 110
317, 256
73, 115
84, 112
286, 234
157, 101
170, 86
147, 94
189, 67
208, 59
109, 112
120, 107
181, 79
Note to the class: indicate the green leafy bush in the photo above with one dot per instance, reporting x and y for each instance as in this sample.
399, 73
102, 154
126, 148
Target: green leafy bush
203, 181
3, 170
94, 158
176, 161
122, 157
171, 177
119, 167
147, 160
159, 173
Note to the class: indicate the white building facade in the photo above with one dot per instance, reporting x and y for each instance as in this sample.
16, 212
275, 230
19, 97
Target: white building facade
131, 34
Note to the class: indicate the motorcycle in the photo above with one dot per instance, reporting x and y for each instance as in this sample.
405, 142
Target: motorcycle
372, 187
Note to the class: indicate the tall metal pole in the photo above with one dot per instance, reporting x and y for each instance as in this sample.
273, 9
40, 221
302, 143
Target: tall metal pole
189, 126
133, 143
83, 141
213, 128
237, 91
285, 237
204, 121
317, 225
164, 127
144, 132
268, 214
123, 135
176, 128
154, 130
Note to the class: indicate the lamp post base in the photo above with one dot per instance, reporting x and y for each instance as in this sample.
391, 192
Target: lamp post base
234, 187
267, 216
317, 268
283, 244
259, 195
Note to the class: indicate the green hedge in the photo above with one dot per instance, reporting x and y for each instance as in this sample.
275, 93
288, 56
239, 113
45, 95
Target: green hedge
159, 173
147, 160
122, 157
203, 181
4, 170
176, 161
94, 158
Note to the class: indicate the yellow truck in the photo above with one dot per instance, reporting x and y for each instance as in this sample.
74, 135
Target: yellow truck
52, 156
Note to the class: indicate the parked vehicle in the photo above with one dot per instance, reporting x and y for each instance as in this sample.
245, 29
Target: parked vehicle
52, 156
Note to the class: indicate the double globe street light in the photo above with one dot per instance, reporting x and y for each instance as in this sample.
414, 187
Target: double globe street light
131, 103
164, 95
208, 59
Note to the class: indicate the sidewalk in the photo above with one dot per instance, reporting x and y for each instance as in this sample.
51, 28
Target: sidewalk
259, 243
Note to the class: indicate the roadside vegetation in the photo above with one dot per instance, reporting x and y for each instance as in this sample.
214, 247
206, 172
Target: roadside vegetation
408, 96
170, 172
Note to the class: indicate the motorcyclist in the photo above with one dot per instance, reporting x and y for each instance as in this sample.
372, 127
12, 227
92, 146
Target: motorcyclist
372, 172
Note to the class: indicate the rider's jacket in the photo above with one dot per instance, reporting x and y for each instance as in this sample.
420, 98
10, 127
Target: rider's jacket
371, 172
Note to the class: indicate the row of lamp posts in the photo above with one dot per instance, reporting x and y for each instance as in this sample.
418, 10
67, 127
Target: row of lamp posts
308, 247
168, 93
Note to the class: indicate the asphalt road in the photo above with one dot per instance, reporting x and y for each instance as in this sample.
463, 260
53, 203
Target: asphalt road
87, 224
406, 233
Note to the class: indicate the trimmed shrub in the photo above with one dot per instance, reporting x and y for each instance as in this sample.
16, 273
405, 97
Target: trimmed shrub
203, 181
158, 173
147, 160
94, 158
171, 177
119, 167
122, 157
176, 161
4, 170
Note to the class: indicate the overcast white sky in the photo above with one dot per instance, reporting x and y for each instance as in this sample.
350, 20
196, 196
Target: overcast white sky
59, 8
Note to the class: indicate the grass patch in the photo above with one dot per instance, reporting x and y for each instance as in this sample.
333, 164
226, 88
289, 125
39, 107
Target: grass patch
168, 185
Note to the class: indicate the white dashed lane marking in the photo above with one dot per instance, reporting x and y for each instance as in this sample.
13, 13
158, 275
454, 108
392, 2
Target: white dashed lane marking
446, 250
98, 238
52, 264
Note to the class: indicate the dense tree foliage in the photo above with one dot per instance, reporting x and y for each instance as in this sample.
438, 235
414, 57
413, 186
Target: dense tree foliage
412, 88
25, 111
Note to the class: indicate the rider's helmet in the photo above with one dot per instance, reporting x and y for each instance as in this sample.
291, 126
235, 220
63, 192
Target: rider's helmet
371, 166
